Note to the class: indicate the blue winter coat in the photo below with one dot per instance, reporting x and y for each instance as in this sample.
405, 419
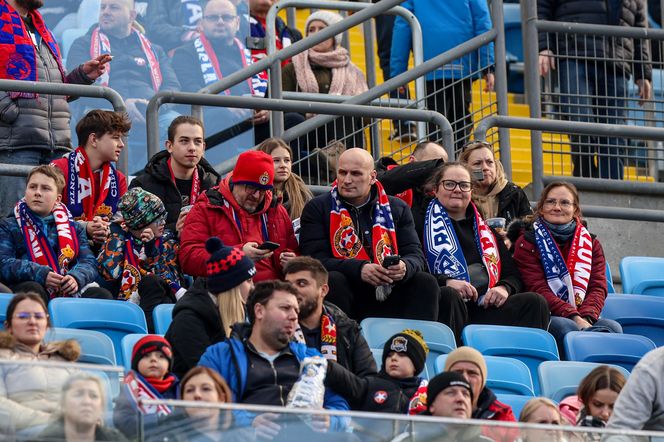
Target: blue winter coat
445, 24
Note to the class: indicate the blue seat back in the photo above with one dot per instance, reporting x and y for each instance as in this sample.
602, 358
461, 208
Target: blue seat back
559, 379
609, 279
439, 337
638, 314
4, 302
113, 318
504, 375
529, 345
607, 348
162, 316
378, 356
96, 347
515, 401
128, 342
642, 275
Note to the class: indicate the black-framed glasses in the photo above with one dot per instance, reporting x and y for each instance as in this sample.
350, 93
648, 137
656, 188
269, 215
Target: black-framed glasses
213, 18
450, 185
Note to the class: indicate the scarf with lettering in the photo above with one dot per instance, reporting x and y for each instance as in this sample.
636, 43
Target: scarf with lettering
195, 182
571, 277
82, 188
343, 237
140, 388
36, 240
328, 336
100, 44
444, 253
18, 54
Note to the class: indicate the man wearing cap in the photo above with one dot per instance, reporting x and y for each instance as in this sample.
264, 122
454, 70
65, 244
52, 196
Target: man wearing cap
242, 212
352, 230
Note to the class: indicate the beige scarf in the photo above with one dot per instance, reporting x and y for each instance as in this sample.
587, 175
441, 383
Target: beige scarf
488, 204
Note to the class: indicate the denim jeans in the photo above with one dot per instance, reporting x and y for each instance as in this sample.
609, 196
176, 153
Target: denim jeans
560, 326
593, 92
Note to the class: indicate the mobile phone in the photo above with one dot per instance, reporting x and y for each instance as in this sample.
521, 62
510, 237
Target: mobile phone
268, 245
478, 175
391, 260
186, 209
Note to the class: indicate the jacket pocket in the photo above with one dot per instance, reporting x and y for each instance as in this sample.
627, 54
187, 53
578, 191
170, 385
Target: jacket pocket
9, 110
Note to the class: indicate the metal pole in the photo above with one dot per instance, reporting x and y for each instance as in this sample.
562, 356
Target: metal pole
327, 98
501, 84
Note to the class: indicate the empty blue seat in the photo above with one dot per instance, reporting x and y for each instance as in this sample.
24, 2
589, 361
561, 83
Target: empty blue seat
529, 345
559, 379
4, 302
607, 348
515, 401
162, 316
128, 342
642, 275
638, 314
439, 337
113, 318
504, 375
609, 279
96, 347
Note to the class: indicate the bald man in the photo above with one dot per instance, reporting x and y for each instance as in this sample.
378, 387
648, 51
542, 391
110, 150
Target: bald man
367, 242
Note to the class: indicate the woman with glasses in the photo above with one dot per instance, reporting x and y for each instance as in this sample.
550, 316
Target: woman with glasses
559, 259
29, 394
478, 279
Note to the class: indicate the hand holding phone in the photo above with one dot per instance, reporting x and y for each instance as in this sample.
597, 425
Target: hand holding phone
269, 245
391, 260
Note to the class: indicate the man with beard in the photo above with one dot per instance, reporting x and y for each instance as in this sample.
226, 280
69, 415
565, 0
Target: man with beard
323, 325
265, 345
29, 52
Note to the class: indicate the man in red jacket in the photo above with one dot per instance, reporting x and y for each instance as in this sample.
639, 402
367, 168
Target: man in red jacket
242, 212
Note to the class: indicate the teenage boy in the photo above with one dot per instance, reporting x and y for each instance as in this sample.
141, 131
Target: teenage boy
93, 186
42, 248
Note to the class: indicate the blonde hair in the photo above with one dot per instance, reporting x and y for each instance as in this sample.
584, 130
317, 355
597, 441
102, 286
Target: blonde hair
85, 377
231, 308
534, 404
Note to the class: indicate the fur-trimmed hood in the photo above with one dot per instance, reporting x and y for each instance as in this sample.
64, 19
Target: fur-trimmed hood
69, 350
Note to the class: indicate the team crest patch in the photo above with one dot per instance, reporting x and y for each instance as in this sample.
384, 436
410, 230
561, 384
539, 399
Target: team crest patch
18, 68
380, 397
264, 178
130, 277
384, 247
399, 344
66, 256
346, 242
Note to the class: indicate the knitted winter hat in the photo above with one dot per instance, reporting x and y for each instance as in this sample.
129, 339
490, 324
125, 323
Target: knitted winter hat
467, 354
227, 267
139, 208
255, 168
148, 344
410, 342
327, 17
445, 380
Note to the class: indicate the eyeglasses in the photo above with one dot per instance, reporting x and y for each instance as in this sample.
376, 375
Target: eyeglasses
251, 190
450, 185
25, 316
213, 18
564, 204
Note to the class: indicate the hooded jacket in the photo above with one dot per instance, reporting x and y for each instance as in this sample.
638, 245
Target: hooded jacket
30, 394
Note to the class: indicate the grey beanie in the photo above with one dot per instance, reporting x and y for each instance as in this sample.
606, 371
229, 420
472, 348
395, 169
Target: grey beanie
327, 17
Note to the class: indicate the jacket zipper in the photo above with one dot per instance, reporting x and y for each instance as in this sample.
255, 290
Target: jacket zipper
49, 104
281, 388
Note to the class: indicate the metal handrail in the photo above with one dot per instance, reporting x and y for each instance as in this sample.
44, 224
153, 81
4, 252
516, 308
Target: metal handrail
328, 98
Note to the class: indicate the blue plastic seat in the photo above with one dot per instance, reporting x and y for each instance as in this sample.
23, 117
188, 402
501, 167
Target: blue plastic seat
529, 345
378, 356
504, 375
516, 401
559, 379
638, 314
113, 318
607, 348
609, 279
96, 347
162, 316
439, 337
4, 303
128, 342
642, 275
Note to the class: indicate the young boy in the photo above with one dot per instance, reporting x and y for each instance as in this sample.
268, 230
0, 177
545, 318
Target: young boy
42, 248
396, 388
93, 185
150, 377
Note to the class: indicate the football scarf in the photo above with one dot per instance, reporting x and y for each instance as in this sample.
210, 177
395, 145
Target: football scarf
17, 50
418, 403
567, 280
139, 389
82, 187
343, 238
444, 253
328, 336
100, 44
195, 183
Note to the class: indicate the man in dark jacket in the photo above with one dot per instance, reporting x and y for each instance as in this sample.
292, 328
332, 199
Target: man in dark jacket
171, 23
594, 72
323, 325
352, 230
180, 173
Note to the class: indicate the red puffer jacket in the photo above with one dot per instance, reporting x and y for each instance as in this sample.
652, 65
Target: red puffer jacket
212, 216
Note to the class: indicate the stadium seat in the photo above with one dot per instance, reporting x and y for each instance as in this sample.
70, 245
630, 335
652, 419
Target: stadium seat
378, 356
530, 345
516, 401
439, 337
609, 279
113, 318
514, 47
638, 314
607, 348
128, 342
559, 379
96, 347
642, 275
504, 375
4, 302
162, 316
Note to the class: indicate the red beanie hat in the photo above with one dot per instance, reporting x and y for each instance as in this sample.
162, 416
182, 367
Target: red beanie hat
255, 168
148, 344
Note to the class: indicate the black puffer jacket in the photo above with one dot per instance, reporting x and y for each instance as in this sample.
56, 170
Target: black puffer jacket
353, 352
632, 14
196, 325
513, 203
156, 179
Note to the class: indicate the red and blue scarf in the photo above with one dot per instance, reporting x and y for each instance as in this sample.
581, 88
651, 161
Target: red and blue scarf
343, 237
328, 336
139, 388
195, 182
18, 54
